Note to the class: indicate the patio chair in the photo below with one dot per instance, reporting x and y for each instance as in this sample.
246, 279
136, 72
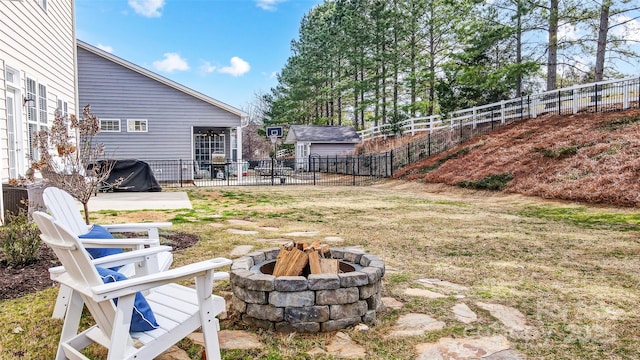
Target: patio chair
200, 173
157, 320
63, 208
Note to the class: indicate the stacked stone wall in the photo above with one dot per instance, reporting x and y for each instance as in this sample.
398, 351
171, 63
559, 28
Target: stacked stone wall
317, 303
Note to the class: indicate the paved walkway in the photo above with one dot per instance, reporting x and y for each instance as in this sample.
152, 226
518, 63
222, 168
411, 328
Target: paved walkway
139, 201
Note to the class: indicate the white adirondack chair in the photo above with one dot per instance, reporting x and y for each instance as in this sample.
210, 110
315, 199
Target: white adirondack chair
179, 310
63, 208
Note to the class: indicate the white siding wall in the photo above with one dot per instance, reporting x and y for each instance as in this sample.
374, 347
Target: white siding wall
40, 44
332, 149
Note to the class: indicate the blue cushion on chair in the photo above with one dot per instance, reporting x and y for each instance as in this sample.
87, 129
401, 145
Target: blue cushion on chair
142, 318
98, 232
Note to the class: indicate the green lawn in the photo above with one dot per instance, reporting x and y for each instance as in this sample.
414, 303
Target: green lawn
572, 269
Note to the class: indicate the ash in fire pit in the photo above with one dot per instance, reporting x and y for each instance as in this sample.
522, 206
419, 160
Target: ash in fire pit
309, 302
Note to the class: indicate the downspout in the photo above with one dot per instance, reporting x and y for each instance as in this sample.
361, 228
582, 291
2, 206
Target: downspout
76, 105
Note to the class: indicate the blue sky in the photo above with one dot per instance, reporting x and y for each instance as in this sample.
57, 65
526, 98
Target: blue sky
226, 49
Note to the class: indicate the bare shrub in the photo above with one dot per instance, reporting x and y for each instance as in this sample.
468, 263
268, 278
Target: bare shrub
79, 166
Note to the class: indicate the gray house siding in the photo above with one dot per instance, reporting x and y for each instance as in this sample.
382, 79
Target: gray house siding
118, 92
332, 149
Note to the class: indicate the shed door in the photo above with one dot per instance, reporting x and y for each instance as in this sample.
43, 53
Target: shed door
302, 156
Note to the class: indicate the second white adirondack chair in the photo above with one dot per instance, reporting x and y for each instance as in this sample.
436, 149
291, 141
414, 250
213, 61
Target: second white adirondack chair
63, 208
179, 310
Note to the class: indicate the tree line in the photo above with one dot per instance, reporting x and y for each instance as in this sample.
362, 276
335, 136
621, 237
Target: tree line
373, 62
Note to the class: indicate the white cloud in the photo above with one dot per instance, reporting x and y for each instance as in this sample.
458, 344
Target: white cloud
171, 63
106, 48
237, 67
147, 8
207, 68
269, 5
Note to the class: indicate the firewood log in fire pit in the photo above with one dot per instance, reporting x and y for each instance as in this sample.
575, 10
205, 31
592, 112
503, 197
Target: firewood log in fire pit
294, 257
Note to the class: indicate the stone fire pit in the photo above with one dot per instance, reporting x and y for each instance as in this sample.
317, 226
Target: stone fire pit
309, 303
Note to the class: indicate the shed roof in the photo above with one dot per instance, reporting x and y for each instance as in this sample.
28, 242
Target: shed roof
159, 78
322, 134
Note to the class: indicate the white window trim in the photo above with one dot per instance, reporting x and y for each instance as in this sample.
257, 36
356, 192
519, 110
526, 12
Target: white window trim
63, 107
37, 112
112, 121
131, 125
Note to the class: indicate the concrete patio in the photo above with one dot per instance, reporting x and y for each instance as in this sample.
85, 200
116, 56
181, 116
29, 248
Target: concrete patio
139, 201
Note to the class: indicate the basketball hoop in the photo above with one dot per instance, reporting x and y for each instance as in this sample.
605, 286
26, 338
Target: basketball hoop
274, 138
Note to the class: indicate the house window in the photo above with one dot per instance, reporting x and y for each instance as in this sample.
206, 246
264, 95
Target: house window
42, 103
217, 144
63, 108
36, 113
43, 4
135, 125
206, 145
10, 76
110, 125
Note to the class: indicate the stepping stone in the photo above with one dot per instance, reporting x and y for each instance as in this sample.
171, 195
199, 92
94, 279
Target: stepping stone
391, 303
464, 314
240, 250
241, 222
443, 283
231, 339
242, 232
302, 233
174, 353
424, 293
512, 318
278, 241
269, 228
341, 346
390, 270
216, 225
465, 348
333, 239
415, 324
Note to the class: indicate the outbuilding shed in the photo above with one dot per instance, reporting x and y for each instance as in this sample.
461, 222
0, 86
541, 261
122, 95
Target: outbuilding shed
321, 141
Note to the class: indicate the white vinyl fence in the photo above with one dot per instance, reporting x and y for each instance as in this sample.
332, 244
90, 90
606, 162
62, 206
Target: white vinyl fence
609, 95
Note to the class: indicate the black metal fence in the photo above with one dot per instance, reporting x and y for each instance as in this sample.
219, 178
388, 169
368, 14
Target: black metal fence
600, 97
441, 134
611, 95
442, 140
332, 170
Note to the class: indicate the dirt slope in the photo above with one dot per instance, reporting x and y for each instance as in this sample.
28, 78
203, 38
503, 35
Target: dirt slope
592, 158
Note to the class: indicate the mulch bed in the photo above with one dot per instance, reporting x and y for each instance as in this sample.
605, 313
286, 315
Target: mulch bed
21, 280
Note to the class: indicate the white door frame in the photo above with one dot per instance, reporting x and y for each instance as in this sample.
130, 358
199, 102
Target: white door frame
14, 118
15, 151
